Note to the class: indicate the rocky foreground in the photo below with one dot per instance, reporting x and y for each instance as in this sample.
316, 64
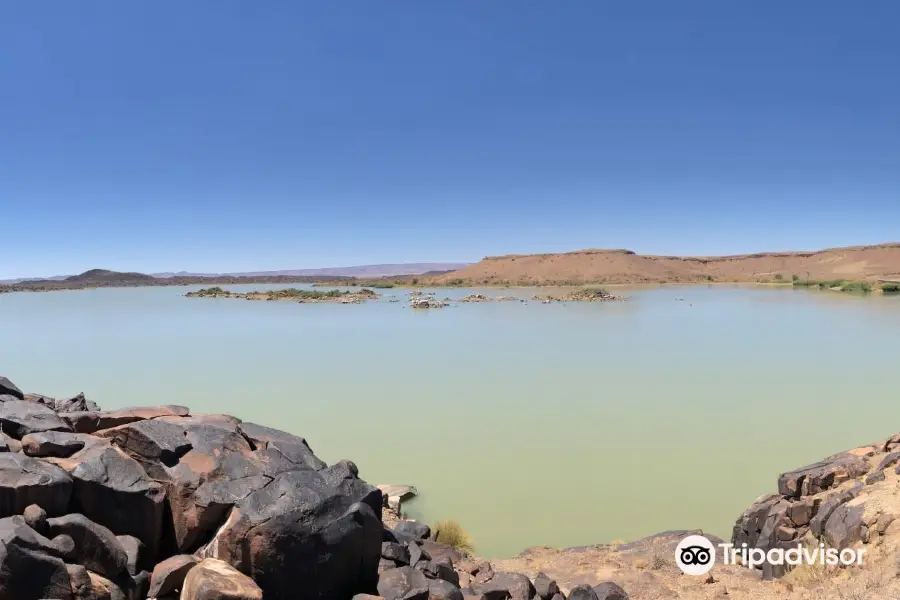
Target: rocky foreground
155, 502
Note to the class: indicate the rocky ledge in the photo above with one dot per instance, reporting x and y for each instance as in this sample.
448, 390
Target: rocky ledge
847, 500
291, 295
156, 502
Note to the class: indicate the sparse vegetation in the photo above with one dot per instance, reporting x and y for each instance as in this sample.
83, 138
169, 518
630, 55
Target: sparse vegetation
795, 278
857, 286
890, 288
383, 284
779, 277
452, 533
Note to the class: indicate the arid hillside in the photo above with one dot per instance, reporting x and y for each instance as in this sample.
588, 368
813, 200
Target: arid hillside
624, 266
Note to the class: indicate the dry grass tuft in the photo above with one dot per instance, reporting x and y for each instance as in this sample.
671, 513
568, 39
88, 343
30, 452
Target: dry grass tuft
452, 533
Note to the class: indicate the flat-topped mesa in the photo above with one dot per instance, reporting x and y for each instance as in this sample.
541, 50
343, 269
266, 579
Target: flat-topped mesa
152, 500
847, 500
291, 295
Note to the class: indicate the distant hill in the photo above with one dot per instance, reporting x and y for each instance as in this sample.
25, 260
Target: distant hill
103, 276
362, 271
625, 266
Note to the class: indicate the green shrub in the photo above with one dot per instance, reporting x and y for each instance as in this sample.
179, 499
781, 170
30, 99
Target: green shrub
890, 288
795, 278
381, 285
415, 281
835, 283
857, 286
452, 533
779, 277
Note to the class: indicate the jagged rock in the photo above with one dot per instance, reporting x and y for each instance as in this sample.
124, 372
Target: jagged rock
817, 524
439, 569
512, 585
75, 404
403, 583
545, 587
395, 552
385, 563
8, 388
141, 587
873, 478
416, 553
25, 481
412, 530
96, 546
93, 421
60, 444
889, 460
440, 589
609, 590
294, 448
136, 552
169, 575
216, 580
36, 518
112, 489
28, 569
322, 523
152, 440
845, 526
820, 476
582, 592
19, 418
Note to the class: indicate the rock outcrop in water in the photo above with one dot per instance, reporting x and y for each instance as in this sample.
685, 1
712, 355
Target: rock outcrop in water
156, 502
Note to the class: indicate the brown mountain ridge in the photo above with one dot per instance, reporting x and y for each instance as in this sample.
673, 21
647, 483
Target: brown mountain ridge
865, 263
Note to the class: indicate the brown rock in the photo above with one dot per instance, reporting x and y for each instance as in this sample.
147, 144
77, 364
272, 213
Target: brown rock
214, 579
169, 575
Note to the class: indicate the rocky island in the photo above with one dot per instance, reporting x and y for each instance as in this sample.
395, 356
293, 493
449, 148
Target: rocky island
580, 295
290, 294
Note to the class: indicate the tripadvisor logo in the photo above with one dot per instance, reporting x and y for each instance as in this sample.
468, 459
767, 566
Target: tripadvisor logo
696, 555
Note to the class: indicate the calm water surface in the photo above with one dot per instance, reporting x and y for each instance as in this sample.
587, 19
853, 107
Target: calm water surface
531, 424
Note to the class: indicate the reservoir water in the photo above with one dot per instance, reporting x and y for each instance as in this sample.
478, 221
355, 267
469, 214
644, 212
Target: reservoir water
530, 424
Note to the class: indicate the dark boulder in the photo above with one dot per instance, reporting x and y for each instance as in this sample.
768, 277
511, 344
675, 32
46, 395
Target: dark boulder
27, 574
25, 481
168, 576
323, 524
826, 508
7, 387
845, 526
403, 583
93, 421
152, 440
59, 444
822, 475
214, 579
36, 518
87, 585
412, 530
416, 553
95, 546
512, 585
113, 490
545, 587
437, 551
440, 589
21, 418
395, 552
293, 447
609, 590
138, 558
75, 404
439, 569
64, 547
582, 592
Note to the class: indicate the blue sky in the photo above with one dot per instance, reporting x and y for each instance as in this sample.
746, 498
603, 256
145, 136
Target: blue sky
230, 136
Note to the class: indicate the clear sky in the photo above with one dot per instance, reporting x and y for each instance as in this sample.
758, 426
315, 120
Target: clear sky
217, 135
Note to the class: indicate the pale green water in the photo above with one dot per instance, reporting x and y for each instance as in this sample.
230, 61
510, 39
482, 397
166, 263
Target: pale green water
531, 424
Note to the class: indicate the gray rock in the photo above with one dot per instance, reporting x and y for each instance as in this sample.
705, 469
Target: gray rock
582, 592
845, 526
95, 546
8, 388
439, 569
25, 481
545, 587
138, 558
112, 489
322, 523
609, 590
817, 524
291, 446
875, 477
36, 518
440, 589
403, 583
93, 421
513, 585
19, 418
59, 444
8, 444
75, 404
823, 475
889, 460
412, 530
27, 574
168, 576
152, 440
395, 552
64, 547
